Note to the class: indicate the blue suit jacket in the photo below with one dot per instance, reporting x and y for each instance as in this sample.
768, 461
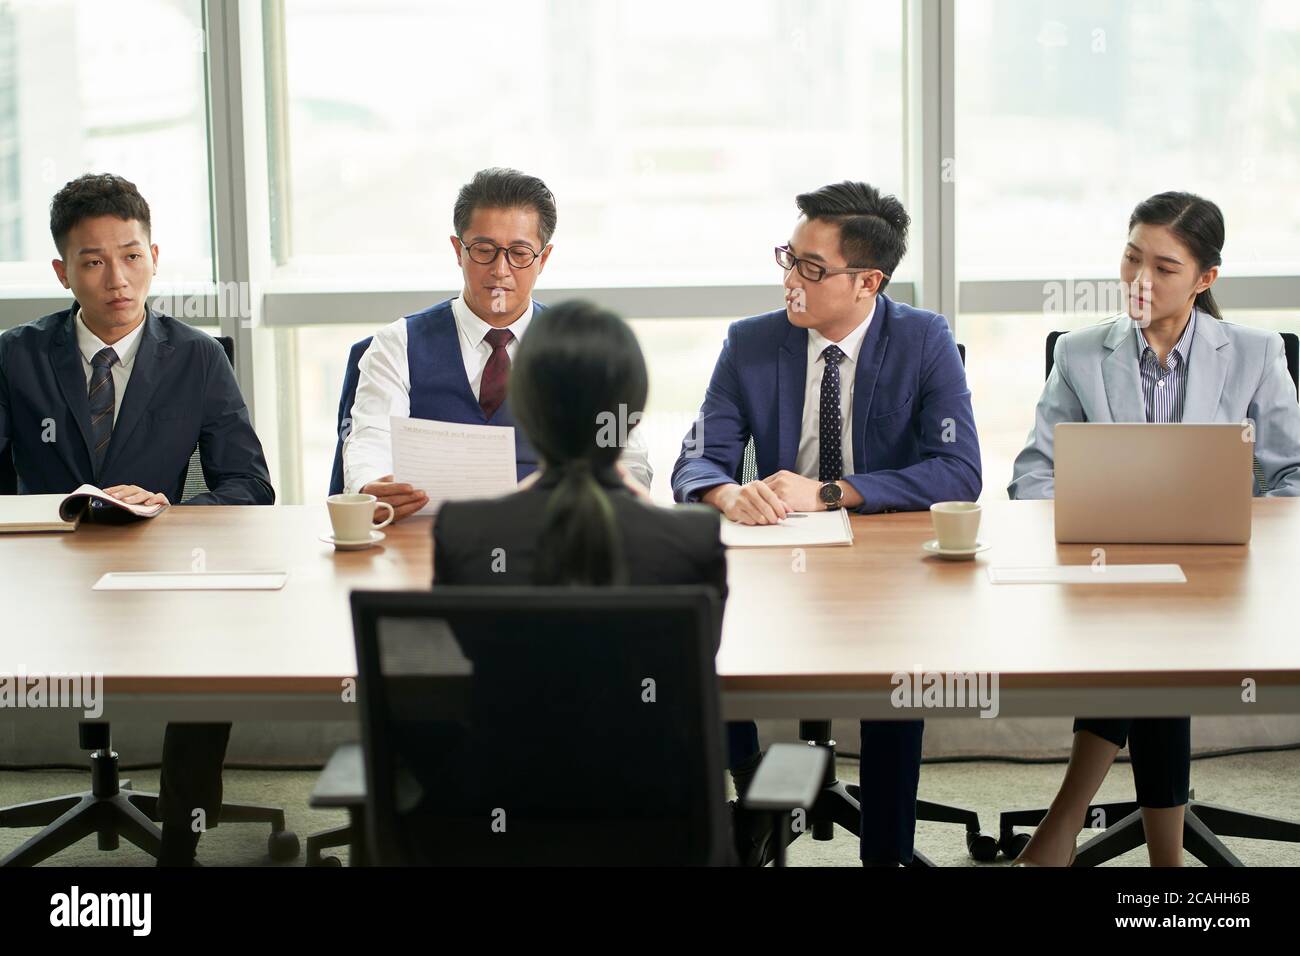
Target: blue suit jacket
914, 440
182, 392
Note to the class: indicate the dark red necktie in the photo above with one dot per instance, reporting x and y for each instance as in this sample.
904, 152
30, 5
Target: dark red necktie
492, 390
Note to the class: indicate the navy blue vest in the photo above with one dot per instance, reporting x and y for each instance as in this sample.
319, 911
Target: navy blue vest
439, 389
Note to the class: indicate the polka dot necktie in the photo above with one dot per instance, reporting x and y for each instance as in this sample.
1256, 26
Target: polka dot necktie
101, 404
830, 465
492, 389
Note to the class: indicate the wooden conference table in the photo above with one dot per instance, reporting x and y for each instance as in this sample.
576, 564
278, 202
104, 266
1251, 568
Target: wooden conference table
824, 641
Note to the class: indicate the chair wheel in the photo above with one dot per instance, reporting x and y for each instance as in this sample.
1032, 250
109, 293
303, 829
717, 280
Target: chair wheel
282, 845
982, 846
325, 861
1012, 843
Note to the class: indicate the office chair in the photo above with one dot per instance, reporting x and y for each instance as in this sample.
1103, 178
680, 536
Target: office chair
550, 726
195, 483
351, 376
8, 476
838, 802
1203, 823
111, 809
341, 786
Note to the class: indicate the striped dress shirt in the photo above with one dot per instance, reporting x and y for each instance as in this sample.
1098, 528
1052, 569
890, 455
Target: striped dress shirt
1164, 387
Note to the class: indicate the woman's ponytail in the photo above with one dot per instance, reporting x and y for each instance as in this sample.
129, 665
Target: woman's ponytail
577, 366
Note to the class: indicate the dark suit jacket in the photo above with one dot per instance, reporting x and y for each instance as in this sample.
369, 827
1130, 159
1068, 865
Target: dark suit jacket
182, 392
914, 440
680, 545
456, 760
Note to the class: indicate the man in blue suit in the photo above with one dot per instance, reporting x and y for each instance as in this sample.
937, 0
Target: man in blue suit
852, 401
451, 361
114, 394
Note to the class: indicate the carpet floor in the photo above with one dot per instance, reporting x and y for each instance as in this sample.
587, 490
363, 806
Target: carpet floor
1267, 783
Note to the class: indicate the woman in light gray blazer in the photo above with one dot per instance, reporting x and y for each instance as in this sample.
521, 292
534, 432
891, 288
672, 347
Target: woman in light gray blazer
1172, 358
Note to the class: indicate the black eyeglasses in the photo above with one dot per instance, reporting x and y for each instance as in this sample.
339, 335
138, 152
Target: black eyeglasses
813, 271
485, 253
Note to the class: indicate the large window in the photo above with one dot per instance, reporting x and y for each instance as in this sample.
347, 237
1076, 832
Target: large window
88, 86
1068, 114
675, 135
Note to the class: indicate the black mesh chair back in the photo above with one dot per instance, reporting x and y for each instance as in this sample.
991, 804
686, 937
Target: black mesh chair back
343, 423
549, 726
8, 475
195, 483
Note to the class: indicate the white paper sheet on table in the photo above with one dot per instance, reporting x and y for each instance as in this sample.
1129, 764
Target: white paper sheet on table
801, 529
192, 581
1090, 574
450, 462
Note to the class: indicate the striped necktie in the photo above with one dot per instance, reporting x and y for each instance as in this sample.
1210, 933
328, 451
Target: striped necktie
101, 404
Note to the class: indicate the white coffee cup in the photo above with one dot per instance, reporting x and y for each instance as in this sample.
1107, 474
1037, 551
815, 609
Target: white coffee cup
956, 523
353, 517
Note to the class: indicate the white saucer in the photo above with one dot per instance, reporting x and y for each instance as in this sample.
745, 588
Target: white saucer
955, 554
375, 538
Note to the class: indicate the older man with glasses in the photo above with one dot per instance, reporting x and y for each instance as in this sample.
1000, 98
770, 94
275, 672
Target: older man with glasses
451, 361
852, 401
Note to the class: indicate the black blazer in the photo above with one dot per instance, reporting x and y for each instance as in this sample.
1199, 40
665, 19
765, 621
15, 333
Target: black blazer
182, 392
678, 545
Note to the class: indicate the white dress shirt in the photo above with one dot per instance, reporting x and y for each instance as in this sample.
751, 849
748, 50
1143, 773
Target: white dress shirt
807, 460
384, 391
89, 345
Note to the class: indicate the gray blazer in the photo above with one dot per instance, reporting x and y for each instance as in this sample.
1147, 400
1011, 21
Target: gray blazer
1234, 373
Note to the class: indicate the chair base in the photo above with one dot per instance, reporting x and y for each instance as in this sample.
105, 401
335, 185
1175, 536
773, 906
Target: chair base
69, 819
348, 835
838, 804
1203, 824
327, 839
112, 810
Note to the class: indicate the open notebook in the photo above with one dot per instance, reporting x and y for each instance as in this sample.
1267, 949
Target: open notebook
799, 529
20, 513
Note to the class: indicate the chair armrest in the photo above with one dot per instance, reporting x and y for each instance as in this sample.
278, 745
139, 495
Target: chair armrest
790, 776
343, 781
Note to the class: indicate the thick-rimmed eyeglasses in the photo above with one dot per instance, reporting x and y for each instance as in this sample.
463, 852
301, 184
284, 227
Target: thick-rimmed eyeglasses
485, 253
813, 271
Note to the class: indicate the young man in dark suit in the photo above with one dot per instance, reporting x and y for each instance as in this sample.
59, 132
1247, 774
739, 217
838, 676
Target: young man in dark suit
112, 393
853, 401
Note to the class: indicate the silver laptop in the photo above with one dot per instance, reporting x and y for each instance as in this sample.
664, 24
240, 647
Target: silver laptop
1153, 484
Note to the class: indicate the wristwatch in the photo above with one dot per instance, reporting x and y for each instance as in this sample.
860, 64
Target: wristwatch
830, 494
